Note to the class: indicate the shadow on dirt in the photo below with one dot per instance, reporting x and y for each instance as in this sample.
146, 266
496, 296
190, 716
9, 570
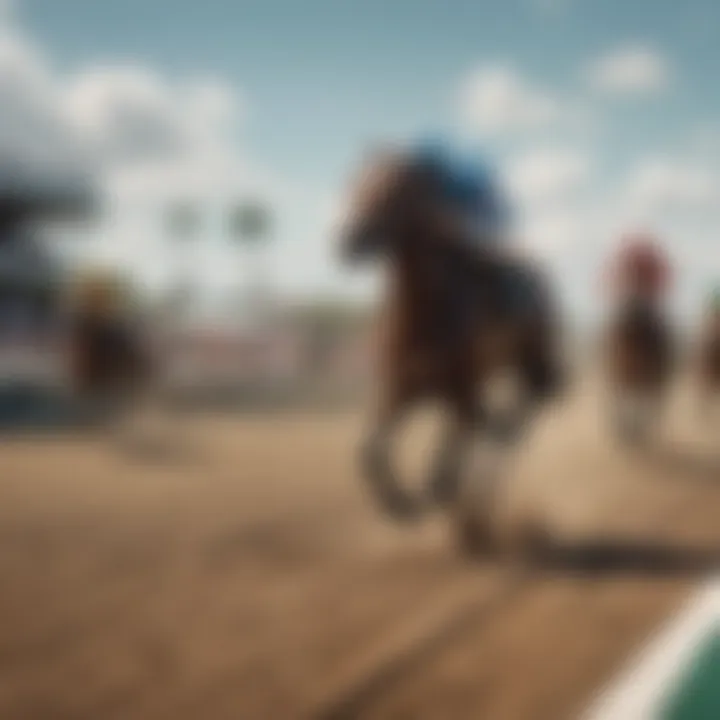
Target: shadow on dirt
622, 557
542, 561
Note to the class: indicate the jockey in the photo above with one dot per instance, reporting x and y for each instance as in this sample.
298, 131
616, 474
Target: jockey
640, 270
472, 194
479, 216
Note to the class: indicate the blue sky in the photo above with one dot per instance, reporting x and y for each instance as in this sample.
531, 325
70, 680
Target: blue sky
321, 76
620, 114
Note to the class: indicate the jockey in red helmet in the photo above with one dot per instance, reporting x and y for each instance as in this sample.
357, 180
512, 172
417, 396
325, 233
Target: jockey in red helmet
640, 270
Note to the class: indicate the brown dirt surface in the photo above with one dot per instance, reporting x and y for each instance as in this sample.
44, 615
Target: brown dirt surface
245, 574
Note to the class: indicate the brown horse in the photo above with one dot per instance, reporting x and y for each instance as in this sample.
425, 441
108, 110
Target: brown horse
449, 324
109, 361
639, 353
708, 363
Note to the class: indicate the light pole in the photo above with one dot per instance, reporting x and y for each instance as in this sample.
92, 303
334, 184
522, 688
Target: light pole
183, 225
250, 228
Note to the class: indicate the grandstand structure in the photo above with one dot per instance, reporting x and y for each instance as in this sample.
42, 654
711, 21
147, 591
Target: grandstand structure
31, 277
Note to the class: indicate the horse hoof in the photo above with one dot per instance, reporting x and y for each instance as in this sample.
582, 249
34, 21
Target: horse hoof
530, 538
559, 383
443, 488
505, 430
396, 503
548, 381
474, 540
402, 508
473, 535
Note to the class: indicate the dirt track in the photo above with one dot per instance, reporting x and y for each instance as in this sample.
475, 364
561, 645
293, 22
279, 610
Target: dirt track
247, 576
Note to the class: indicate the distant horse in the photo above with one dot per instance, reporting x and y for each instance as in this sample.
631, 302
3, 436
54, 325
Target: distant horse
639, 352
708, 364
111, 366
453, 316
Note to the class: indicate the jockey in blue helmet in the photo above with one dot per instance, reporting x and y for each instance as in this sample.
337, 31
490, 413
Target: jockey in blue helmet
475, 198
471, 189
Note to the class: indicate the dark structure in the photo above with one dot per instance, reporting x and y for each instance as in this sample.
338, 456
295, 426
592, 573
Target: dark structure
29, 275
30, 311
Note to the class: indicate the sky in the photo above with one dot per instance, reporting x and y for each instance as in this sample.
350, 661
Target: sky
601, 116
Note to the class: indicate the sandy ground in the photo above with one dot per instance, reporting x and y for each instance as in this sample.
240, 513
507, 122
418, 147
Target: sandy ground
245, 574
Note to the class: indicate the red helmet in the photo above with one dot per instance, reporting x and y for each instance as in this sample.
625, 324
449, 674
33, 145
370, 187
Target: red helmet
642, 246
642, 249
642, 263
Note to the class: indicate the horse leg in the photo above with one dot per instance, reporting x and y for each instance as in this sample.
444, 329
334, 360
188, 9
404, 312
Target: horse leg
547, 375
706, 400
543, 376
627, 416
476, 487
377, 467
444, 479
619, 414
642, 418
507, 430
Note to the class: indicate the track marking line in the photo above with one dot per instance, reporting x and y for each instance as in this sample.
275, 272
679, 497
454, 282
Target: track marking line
655, 673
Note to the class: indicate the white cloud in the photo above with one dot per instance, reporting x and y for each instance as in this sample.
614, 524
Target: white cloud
496, 100
666, 185
554, 197
117, 116
144, 133
131, 114
550, 233
37, 144
127, 114
151, 140
547, 174
630, 70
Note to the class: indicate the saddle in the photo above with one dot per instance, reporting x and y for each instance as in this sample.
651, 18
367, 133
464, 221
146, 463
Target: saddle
487, 286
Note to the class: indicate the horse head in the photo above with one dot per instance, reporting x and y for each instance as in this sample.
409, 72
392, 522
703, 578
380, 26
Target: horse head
389, 206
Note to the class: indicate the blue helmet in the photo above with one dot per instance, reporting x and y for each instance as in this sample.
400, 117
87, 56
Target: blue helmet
433, 151
479, 187
469, 182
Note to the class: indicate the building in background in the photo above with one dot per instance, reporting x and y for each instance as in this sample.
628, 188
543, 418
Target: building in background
31, 279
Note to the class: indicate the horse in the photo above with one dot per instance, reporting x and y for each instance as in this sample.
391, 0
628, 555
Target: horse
111, 366
452, 316
639, 354
708, 364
